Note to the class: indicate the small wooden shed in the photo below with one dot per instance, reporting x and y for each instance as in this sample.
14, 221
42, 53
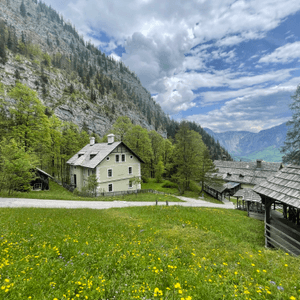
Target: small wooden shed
42, 180
282, 223
248, 200
220, 191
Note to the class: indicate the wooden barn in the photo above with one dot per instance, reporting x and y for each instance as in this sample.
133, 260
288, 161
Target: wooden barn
282, 223
248, 174
221, 191
248, 200
41, 181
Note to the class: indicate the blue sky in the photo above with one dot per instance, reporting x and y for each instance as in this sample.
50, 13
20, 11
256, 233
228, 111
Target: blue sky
227, 65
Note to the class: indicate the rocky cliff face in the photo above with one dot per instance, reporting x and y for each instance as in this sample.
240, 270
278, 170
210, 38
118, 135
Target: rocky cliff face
43, 27
244, 143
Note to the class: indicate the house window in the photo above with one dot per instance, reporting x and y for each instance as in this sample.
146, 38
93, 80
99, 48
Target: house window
123, 157
88, 172
130, 184
117, 157
109, 173
131, 156
130, 170
110, 187
107, 158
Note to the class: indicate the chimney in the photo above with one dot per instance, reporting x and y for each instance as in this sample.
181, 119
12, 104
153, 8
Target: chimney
92, 140
258, 163
110, 139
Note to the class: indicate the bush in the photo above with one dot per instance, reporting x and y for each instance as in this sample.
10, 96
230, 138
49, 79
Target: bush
145, 179
170, 185
195, 187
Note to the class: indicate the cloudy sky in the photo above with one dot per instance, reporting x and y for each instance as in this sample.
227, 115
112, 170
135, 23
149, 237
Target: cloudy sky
225, 64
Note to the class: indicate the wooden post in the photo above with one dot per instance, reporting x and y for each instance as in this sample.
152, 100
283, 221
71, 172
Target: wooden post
268, 204
156, 201
167, 203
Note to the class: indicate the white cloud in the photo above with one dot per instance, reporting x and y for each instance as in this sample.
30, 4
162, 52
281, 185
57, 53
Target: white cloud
284, 54
249, 113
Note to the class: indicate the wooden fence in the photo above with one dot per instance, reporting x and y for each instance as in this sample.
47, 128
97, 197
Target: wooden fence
283, 237
121, 193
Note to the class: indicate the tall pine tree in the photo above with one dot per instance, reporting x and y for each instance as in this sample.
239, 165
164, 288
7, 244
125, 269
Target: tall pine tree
291, 148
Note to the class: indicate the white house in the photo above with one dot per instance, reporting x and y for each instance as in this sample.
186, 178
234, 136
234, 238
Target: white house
113, 163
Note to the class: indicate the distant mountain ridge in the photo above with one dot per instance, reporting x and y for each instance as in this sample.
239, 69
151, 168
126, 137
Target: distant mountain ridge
247, 145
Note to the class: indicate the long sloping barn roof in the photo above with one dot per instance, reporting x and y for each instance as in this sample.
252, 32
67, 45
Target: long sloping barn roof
284, 186
100, 151
246, 172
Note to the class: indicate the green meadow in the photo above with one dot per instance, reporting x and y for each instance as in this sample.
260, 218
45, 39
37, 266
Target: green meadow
157, 252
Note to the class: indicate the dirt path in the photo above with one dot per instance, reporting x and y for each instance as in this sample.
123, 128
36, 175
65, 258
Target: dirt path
20, 202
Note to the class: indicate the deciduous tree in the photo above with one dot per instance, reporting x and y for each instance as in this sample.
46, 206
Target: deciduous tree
16, 166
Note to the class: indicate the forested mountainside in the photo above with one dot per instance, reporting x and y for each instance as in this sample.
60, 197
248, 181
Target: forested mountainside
74, 79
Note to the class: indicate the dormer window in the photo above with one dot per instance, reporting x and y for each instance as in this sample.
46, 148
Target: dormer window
228, 174
80, 154
241, 176
92, 156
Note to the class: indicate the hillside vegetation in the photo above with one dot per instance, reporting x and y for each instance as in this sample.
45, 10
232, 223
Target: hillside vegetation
140, 253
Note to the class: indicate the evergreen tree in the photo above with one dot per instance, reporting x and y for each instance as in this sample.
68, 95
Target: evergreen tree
23, 9
291, 148
188, 156
2, 42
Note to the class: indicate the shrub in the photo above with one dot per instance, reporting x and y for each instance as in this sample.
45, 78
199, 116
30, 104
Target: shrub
170, 185
145, 179
195, 187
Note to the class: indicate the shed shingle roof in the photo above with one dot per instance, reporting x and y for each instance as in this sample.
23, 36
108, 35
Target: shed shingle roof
248, 195
251, 173
284, 186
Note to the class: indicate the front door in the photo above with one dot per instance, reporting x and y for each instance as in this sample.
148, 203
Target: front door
75, 183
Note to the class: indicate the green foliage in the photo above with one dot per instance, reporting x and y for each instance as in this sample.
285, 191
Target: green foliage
138, 140
159, 170
91, 186
169, 184
46, 60
121, 127
194, 187
30, 125
16, 166
291, 148
188, 156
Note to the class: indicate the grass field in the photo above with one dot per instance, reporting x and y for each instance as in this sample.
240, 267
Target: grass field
57, 192
155, 252
174, 191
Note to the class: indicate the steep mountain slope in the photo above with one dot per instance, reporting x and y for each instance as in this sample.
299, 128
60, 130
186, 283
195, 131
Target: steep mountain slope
248, 145
117, 92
